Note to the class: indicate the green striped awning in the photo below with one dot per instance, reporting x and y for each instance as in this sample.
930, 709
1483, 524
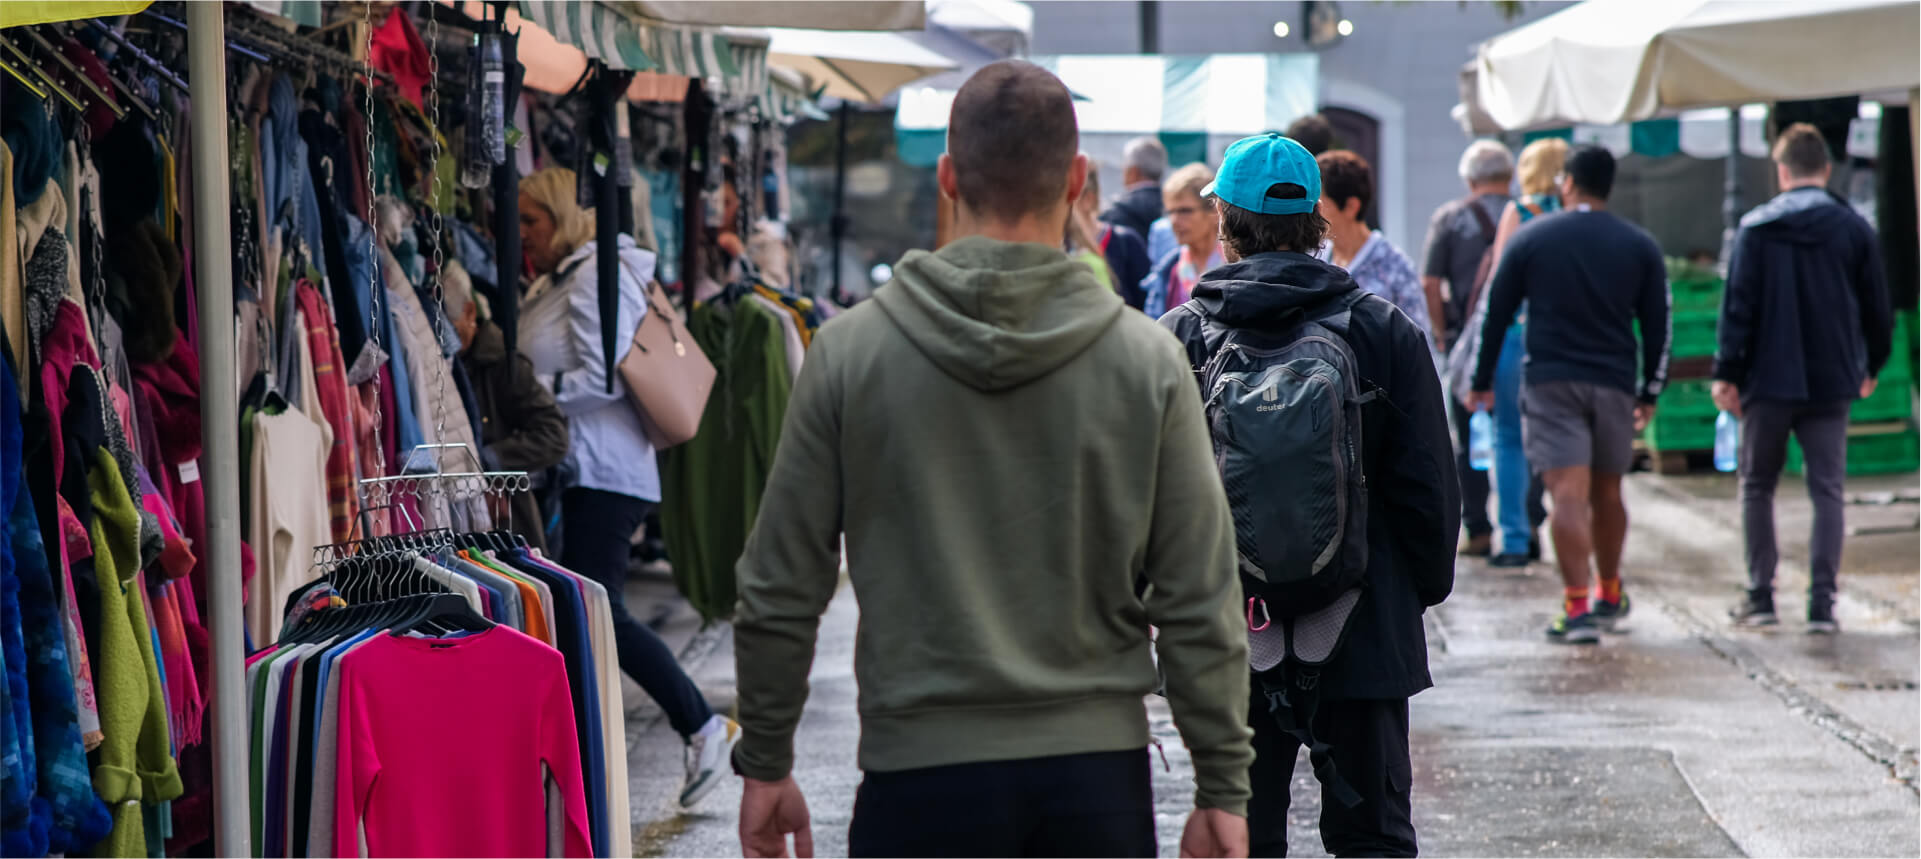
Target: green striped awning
737, 66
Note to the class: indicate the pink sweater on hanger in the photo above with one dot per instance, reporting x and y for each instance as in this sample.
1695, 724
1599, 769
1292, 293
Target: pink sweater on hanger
444, 743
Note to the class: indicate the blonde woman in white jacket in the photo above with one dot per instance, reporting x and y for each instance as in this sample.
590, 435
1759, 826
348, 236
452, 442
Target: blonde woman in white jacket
612, 480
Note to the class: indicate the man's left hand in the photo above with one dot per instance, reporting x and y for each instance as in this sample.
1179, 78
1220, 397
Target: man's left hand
1643, 415
1480, 401
1867, 388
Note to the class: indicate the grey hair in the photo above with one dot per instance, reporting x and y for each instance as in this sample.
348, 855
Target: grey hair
1487, 161
1147, 155
456, 290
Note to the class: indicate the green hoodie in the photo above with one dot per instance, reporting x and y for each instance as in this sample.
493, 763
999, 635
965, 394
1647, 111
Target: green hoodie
1007, 450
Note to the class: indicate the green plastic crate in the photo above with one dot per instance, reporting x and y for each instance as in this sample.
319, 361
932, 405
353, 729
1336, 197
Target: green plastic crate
1696, 295
1694, 333
1893, 399
1680, 432
1905, 345
1881, 453
1691, 398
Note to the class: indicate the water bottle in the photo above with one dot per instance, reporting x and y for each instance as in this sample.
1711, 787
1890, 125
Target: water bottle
1727, 443
1480, 441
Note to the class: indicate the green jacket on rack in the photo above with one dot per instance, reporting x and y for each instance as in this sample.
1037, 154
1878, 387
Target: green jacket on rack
711, 485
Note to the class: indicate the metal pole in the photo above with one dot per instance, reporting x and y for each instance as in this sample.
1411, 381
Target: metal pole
1150, 26
219, 408
1731, 198
837, 228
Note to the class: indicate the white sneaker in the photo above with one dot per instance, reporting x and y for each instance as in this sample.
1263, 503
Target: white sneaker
708, 754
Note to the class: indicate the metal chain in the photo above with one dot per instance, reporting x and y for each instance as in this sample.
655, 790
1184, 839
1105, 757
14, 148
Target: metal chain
377, 292
440, 226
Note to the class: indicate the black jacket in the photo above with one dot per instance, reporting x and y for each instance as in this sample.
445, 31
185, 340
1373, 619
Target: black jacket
1805, 317
1126, 253
1414, 499
1136, 210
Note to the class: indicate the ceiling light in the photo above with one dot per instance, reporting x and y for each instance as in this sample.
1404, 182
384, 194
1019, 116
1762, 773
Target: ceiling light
1346, 27
1280, 29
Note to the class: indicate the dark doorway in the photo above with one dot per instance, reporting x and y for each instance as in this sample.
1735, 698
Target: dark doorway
1361, 134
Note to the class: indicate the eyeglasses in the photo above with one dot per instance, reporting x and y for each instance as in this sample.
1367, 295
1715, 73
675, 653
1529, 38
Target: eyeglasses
1185, 211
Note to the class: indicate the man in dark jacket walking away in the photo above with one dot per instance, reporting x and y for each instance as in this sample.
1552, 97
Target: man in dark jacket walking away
521, 429
1143, 163
1005, 449
1587, 276
1805, 329
1266, 193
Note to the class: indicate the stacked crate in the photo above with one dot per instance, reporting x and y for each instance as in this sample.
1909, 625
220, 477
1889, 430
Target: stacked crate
1684, 423
1881, 428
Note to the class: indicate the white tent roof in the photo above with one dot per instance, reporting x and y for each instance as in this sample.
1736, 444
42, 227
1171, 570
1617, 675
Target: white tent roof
1235, 94
1610, 61
855, 66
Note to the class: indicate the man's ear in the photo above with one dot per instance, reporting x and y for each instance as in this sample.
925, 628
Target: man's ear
1076, 178
945, 177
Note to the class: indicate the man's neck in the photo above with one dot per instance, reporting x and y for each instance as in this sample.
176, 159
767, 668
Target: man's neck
1581, 202
1798, 184
1202, 254
1485, 188
1041, 230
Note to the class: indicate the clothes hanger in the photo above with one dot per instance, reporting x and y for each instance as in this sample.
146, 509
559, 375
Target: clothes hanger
26, 81
128, 95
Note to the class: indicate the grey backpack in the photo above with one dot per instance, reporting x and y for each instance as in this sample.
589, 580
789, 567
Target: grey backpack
1285, 409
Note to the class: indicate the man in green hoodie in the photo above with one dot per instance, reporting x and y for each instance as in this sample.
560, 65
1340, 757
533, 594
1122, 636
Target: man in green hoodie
1005, 452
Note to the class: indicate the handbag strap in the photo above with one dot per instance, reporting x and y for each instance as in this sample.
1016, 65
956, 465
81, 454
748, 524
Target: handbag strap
666, 314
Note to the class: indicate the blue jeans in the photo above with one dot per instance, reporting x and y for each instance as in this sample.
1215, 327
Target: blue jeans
1517, 489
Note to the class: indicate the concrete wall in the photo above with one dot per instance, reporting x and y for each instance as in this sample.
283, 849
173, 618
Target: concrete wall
1400, 66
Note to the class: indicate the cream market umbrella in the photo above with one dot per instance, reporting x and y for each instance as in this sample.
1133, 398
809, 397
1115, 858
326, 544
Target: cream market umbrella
855, 66
1610, 61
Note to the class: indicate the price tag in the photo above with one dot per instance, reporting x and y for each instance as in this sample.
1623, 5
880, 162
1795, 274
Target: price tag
190, 471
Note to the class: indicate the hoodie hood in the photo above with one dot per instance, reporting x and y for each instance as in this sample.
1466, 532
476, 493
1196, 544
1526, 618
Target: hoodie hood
995, 315
1811, 216
1265, 288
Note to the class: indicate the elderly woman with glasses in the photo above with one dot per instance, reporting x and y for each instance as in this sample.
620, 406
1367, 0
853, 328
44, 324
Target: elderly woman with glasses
1197, 232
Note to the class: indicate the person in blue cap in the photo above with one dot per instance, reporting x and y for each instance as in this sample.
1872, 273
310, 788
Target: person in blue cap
1364, 649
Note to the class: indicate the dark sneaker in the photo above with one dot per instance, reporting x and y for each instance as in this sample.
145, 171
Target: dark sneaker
1478, 547
1821, 620
1534, 549
1607, 614
1508, 561
1754, 611
1580, 629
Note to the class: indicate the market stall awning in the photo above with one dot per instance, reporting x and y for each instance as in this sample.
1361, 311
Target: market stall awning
863, 67
1217, 94
23, 13
841, 14
1611, 61
1703, 134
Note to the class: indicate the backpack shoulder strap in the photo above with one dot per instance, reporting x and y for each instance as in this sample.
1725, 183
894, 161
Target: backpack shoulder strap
1488, 229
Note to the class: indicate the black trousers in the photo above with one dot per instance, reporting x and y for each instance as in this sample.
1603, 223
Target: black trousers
1099, 804
598, 526
1370, 751
1474, 485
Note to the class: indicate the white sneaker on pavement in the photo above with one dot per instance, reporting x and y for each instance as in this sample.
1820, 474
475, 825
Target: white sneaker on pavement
708, 756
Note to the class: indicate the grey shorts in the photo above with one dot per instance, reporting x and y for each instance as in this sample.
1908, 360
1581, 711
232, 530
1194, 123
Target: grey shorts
1577, 424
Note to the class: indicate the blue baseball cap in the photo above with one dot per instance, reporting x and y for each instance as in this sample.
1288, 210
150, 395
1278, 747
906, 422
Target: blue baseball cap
1255, 164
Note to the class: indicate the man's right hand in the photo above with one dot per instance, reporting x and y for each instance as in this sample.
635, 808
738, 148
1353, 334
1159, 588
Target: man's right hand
1727, 397
769, 812
1867, 387
1212, 832
1480, 401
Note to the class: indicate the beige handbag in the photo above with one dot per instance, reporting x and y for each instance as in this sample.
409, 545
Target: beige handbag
667, 376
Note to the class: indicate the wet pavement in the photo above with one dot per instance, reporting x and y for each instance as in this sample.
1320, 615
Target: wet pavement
1677, 737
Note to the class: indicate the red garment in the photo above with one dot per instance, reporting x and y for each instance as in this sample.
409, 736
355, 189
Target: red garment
100, 118
330, 375
398, 50
168, 393
64, 348
467, 785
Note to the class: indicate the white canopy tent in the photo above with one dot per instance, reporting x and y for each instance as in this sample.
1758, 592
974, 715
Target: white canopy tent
861, 67
1610, 61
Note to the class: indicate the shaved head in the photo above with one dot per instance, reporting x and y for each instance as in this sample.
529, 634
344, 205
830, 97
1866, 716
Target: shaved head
1012, 138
